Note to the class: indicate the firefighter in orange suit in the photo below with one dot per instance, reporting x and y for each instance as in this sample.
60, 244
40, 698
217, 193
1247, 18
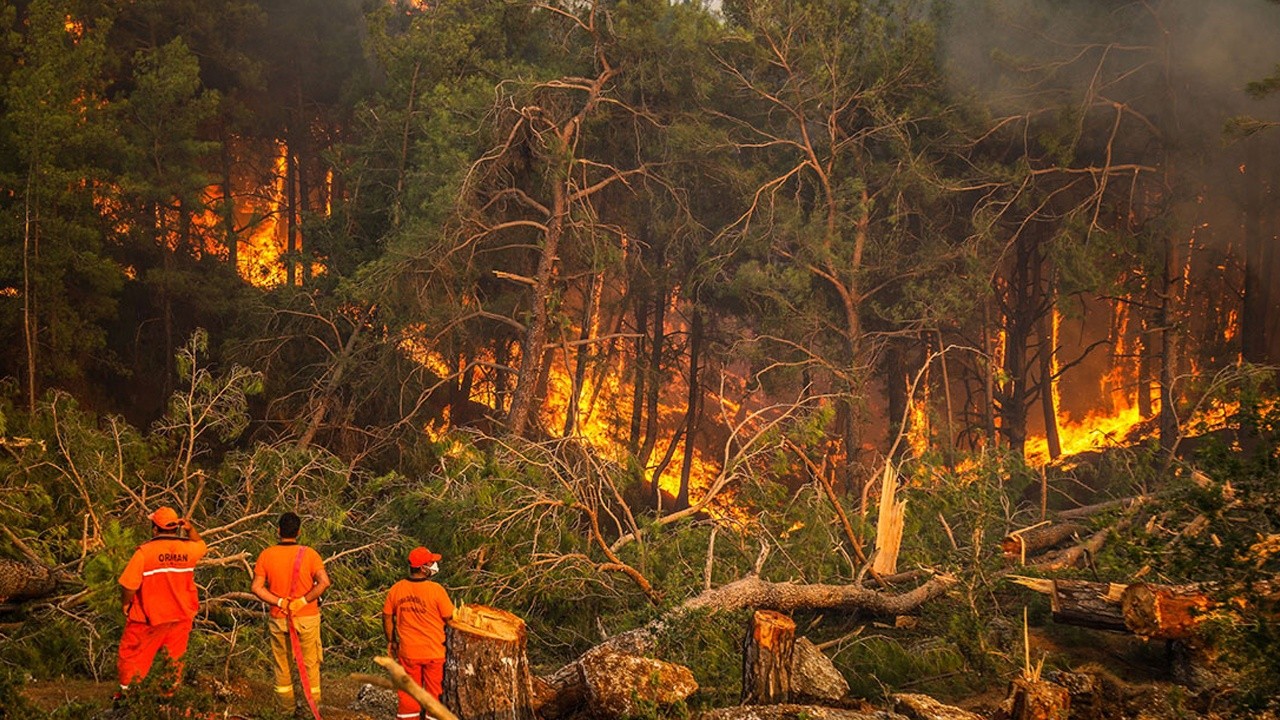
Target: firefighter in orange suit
159, 596
413, 619
291, 578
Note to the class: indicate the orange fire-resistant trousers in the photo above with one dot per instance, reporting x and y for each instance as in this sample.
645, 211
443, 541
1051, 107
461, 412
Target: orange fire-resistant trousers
427, 673
140, 643
308, 627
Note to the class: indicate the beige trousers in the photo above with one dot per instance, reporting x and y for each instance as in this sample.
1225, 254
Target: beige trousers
308, 627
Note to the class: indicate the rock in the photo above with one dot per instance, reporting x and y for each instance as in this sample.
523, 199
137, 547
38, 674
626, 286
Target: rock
813, 676
1085, 691
616, 683
375, 701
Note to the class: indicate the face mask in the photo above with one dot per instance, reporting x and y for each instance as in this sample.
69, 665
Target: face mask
434, 567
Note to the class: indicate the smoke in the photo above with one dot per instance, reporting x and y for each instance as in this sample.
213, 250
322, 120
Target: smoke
1183, 62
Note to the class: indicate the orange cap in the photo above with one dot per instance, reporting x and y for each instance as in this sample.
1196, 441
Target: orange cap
420, 556
165, 518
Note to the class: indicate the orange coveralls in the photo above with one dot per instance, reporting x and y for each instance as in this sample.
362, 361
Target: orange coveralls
420, 608
162, 575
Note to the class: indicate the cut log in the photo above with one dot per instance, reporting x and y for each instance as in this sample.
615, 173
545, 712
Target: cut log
766, 659
1025, 543
617, 684
21, 580
1038, 700
923, 707
814, 678
1163, 611
1080, 602
486, 671
795, 712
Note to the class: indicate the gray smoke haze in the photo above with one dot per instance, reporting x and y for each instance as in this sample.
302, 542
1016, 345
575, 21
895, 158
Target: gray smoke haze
1186, 62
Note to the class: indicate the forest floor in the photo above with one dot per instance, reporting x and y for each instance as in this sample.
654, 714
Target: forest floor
246, 699
1139, 666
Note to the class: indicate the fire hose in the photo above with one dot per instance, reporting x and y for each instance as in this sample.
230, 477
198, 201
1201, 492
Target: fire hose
296, 643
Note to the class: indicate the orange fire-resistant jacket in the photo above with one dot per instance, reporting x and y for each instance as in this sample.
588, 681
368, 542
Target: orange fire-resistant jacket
162, 574
420, 608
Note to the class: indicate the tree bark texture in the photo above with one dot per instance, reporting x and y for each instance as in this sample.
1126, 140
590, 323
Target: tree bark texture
486, 672
25, 580
923, 707
766, 659
753, 592
1027, 543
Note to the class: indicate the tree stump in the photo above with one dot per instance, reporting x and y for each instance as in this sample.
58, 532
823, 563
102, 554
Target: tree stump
1038, 700
486, 671
767, 656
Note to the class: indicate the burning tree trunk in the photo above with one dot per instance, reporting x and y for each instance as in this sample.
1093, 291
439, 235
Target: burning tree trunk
767, 656
486, 673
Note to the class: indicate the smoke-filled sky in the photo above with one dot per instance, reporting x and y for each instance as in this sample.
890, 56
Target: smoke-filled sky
1197, 54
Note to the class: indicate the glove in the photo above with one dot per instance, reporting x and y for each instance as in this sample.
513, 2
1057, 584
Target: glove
297, 604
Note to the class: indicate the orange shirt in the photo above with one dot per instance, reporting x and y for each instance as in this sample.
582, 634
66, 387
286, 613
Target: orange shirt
276, 565
162, 573
420, 608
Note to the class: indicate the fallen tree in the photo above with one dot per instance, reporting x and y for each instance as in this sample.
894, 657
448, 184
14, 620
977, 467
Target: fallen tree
21, 580
566, 689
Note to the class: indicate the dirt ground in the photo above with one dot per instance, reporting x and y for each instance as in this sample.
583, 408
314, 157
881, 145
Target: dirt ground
246, 699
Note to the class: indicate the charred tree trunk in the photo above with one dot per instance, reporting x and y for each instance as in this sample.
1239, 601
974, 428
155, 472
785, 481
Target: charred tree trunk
638, 387
653, 378
486, 673
583, 352
290, 208
229, 237
767, 658
1144, 372
1168, 348
694, 409
1048, 401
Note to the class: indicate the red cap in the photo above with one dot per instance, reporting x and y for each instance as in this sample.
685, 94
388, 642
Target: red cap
420, 556
165, 518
